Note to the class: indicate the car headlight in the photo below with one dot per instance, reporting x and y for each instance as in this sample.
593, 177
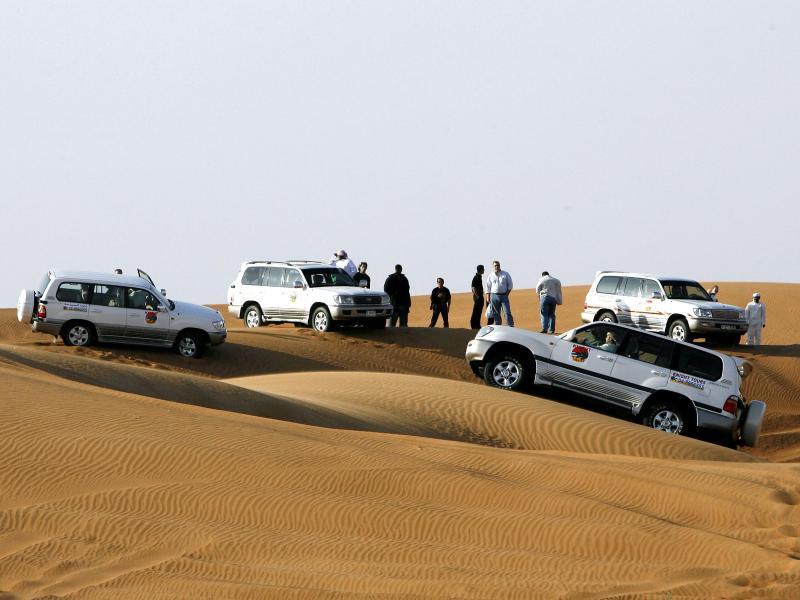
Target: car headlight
702, 312
220, 325
385, 299
485, 331
741, 315
343, 299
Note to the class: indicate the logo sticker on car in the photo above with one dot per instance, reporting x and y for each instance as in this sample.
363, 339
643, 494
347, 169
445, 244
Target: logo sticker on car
579, 353
694, 382
150, 317
76, 306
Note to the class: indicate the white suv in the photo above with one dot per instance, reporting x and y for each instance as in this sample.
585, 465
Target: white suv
84, 307
672, 386
304, 292
680, 308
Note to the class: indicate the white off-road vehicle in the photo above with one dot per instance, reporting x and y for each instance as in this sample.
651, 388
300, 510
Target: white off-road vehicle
83, 308
304, 292
678, 307
672, 386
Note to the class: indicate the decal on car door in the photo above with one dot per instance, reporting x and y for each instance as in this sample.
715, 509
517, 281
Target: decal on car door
694, 382
579, 353
150, 317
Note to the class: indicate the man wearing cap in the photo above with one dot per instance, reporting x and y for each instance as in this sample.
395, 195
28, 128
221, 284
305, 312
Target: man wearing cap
344, 262
756, 316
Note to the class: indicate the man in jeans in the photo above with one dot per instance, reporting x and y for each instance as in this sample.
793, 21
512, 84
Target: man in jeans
477, 298
398, 288
498, 288
549, 290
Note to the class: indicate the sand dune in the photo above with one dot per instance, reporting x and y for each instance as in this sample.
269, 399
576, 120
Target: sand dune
289, 464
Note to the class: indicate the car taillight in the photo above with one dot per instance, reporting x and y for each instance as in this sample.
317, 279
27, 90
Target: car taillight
730, 404
585, 306
42, 312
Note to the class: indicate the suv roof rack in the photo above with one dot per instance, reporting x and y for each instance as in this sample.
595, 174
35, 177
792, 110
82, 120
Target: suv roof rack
252, 262
305, 262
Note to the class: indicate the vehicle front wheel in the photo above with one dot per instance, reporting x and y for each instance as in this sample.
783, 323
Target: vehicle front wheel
607, 317
78, 334
667, 416
321, 319
190, 345
252, 317
508, 372
679, 330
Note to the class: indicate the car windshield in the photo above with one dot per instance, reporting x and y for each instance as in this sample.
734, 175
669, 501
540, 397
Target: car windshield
684, 290
327, 276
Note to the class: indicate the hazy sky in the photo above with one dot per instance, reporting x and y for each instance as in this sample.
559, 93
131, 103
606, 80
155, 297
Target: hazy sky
187, 137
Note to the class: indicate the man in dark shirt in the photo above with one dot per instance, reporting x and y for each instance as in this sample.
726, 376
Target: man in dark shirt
362, 276
399, 291
440, 303
477, 298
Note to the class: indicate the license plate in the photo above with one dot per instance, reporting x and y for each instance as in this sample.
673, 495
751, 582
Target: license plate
728, 326
370, 313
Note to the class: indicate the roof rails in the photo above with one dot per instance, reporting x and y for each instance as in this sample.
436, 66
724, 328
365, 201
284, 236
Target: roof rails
305, 262
252, 262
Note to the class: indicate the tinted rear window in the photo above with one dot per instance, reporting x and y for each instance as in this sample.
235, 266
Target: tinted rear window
608, 285
648, 348
633, 287
74, 292
698, 363
275, 277
252, 276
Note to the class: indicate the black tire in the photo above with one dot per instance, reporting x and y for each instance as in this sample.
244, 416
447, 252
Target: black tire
189, 345
78, 333
679, 330
252, 317
607, 316
376, 324
509, 372
321, 319
667, 416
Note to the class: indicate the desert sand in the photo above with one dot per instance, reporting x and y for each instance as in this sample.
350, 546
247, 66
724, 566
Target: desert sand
373, 464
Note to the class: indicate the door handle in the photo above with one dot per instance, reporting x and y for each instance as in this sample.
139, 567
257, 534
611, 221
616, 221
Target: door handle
659, 373
605, 358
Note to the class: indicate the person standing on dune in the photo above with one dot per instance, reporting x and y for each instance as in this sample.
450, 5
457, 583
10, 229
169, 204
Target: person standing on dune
755, 313
440, 303
399, 291
498, 288
549, 290
362, 276
477, 298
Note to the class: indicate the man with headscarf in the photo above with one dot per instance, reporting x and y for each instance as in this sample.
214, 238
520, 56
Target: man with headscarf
344, 262
755, 313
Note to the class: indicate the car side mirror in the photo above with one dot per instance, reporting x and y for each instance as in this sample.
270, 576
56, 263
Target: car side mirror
164, 292
298, 284
162, 308
362, 283
656, 296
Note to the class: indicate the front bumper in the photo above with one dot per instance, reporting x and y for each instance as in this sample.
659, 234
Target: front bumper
700, 325
475, 355
235, 309
217, 337
350, 312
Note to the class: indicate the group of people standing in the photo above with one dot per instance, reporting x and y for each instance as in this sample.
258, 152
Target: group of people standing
495, 296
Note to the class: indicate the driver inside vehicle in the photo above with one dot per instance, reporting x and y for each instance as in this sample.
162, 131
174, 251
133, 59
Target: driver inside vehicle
610, 344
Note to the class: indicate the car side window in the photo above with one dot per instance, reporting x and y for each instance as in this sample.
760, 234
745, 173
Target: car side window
633, 287
650, 286
698, 363
275, 277
108, 295
74, 292
608, 284
252, 276
648, 348
601, 336
291, 276
140, 299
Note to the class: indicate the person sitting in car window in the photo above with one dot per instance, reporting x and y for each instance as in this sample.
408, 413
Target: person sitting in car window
610, 344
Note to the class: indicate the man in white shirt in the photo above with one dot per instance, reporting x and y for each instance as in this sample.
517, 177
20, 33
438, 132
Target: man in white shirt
344, 262
549, 290
498, 288
756, 316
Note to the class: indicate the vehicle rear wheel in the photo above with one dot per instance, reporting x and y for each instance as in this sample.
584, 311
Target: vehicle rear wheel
667, 416
752, 422
679, 330
252, 317
190, 345
607, 317
78, 333
321, 319
508, 372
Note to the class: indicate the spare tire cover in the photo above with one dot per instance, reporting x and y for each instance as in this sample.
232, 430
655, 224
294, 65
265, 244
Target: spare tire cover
25, 306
